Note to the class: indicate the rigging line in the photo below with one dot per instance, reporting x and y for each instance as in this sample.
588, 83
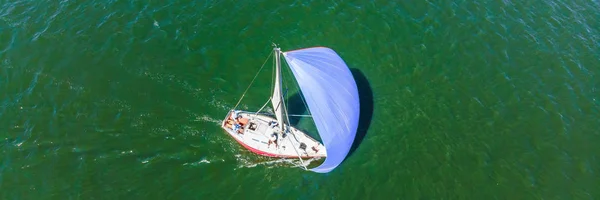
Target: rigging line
244, 94
287, 103
300, 157
273, 76
287, 117
291, 132
269, 114
263, 106
298, 88
299, 115
285, 96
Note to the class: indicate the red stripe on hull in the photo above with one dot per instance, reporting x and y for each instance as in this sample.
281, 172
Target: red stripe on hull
262, 153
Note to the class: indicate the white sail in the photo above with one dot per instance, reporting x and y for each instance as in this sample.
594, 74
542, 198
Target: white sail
277, 98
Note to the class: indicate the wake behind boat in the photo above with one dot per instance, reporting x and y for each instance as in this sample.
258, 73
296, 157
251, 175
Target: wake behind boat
330, 92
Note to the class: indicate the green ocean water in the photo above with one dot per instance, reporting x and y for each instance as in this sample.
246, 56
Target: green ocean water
462, 99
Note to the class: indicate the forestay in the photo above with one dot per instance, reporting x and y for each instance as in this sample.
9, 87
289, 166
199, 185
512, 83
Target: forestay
332, 98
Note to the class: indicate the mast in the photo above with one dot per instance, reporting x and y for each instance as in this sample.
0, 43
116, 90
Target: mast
277, 98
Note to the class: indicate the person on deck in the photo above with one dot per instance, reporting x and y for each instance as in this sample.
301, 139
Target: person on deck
235, 115
234, 126
315, 149
239, 119
238, 128
273, 139
273, 124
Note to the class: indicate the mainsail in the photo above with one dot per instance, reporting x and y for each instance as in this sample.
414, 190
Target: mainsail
332, 98
277, 98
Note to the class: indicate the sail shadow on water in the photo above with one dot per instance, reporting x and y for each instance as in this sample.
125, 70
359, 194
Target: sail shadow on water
366, 108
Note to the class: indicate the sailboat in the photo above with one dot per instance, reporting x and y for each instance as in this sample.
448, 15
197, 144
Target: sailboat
330, 92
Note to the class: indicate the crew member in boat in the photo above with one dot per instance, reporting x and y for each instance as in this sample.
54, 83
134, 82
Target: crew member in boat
273, 139
273, 124
235, 115
236, 122
234, 126
315, 149
239, 119
238, 128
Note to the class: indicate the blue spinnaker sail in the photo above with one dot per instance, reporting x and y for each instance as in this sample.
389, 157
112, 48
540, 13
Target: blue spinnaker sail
332, 98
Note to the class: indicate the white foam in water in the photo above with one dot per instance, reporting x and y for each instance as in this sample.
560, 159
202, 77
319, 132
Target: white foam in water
189, 131
281, 162
219, 104
200, 162
150, 159
207, 118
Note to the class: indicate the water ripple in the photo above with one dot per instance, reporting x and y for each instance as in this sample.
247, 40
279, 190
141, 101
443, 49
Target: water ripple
108, 89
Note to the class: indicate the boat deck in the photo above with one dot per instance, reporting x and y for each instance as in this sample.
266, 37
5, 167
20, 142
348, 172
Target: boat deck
257, 133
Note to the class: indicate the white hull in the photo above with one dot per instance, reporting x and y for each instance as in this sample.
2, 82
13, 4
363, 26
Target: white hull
256, 134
